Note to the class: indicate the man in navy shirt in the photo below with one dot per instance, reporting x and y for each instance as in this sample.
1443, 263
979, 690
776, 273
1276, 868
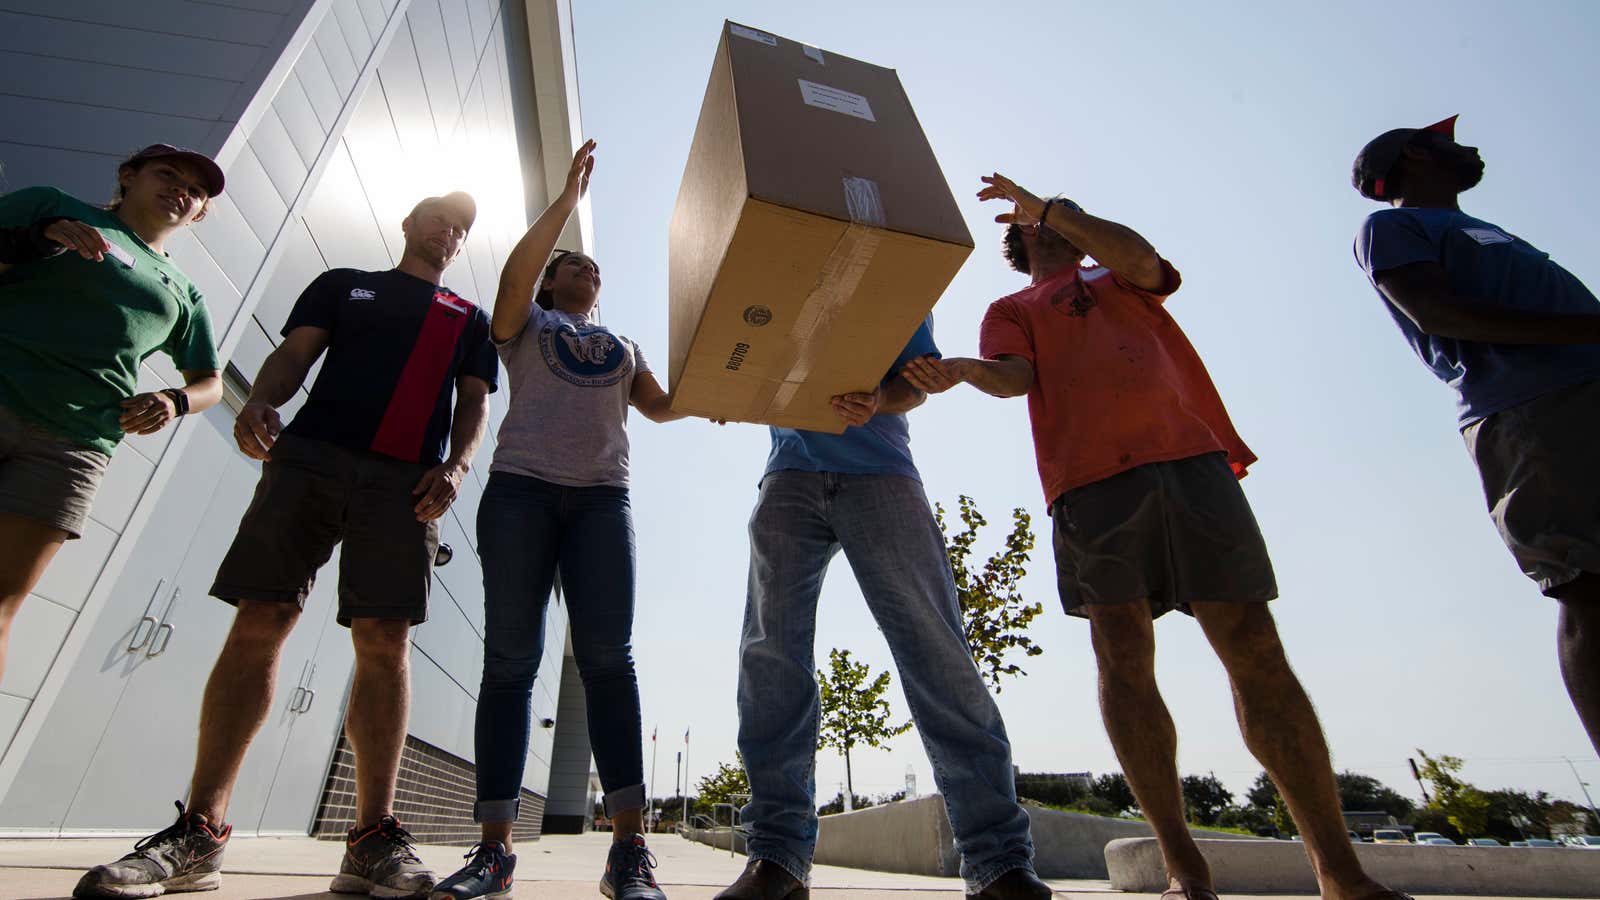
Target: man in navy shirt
859, 491
1518, 337
362, 464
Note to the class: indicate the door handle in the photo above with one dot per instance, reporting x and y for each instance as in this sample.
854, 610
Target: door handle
158, 647
311, 697
294, 699
137, 643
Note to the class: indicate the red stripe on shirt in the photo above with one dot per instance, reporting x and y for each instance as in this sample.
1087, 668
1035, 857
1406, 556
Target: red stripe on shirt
416, 393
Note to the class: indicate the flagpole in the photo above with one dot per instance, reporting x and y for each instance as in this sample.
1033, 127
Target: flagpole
650, 801
686, 776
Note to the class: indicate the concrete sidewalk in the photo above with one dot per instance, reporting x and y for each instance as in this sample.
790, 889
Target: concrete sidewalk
554, 868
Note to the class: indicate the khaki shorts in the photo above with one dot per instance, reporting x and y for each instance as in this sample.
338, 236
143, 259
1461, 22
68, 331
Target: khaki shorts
1177, 533
45, 477
1538, 466
313, 495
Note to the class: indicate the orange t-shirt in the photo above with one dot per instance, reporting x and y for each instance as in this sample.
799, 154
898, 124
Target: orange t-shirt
1116, 384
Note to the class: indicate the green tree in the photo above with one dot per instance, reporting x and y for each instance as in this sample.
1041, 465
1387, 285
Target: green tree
1206, 798
1113, 790
1263, 795
854, 712
721, 785
1466, 807
1363, 793
995, 616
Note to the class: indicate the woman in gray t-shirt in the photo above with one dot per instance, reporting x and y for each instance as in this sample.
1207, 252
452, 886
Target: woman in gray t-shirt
557, 499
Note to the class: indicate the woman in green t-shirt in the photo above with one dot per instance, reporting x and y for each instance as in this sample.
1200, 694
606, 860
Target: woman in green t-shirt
86, 294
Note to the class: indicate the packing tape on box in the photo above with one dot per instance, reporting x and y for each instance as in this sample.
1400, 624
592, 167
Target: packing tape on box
837, 281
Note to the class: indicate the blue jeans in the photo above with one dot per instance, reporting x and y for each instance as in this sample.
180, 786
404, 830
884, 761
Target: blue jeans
527, 529
888, 533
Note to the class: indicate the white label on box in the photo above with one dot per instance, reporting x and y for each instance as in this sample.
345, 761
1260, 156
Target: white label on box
753, 34
815, 54
839, 101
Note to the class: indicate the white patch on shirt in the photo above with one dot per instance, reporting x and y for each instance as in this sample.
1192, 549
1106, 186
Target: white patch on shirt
1487, 236
361, 294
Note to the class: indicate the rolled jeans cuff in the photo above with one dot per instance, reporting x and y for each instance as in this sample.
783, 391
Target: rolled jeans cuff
496, 810
624, 799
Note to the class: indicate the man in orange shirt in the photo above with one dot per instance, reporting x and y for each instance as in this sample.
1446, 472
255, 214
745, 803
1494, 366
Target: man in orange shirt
1140, 466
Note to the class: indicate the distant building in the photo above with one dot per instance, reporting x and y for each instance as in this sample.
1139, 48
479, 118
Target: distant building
1364, 823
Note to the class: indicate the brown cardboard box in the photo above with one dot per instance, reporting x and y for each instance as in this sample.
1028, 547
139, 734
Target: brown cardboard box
813, 233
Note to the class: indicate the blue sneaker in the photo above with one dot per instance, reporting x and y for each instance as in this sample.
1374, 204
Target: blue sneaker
488, 874
629, 871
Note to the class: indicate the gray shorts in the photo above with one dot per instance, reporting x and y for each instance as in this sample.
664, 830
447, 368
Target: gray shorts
1537, 462
46, 477
1176, 532
313, 495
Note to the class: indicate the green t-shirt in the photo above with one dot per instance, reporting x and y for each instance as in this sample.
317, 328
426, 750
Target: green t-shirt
73, 331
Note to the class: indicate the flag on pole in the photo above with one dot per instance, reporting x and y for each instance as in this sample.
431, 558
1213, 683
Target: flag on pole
686, 735
653, 733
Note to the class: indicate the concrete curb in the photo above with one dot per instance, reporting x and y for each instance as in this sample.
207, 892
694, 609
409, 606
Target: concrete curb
1266, 867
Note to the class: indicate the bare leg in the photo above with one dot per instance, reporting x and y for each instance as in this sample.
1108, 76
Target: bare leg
237, 700
26, 548
1281, 729
626, 824
380, 709
1578, 644
1142, 733
498, 831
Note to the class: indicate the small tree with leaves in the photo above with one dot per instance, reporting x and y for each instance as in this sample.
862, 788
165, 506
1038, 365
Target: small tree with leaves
854, 711
1466, 807
729, 780
995, 616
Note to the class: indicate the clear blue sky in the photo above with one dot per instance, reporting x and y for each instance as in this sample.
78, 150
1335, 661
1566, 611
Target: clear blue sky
1224, 133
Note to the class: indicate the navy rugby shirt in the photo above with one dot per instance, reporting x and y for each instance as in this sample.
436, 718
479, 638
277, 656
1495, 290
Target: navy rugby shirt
397, 345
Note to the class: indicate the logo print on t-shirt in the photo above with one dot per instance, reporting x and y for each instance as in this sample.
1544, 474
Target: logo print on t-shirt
361, 294
587, 355
1078, 301
1487, 236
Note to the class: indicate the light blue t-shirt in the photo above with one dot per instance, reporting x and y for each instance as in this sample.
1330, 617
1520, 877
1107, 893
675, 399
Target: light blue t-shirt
880, 447
1485, 262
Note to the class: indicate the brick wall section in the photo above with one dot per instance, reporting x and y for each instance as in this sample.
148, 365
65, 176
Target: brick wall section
433, 798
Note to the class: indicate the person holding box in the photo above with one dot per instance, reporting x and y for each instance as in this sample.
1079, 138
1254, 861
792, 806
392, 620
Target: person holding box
86, 294
860, 491
557, 501
1518, 338
362, 465
1140, 466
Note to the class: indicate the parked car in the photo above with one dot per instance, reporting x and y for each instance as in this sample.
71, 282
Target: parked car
1389, 836
1542, 842
1355, 837
1440, 842
1483, 842
1581, 841
1423, 837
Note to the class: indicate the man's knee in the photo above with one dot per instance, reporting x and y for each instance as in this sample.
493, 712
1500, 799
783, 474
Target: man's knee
1242, 634
381, 640
1124, 640
262, 624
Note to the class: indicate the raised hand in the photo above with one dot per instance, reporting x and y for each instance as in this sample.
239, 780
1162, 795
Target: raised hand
1025, 206
83, 239
932, 375
578, 175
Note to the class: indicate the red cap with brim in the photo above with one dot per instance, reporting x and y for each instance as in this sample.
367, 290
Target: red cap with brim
210, 172
1377, 158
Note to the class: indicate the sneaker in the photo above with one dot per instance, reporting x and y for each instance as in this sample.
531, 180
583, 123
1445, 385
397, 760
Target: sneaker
629, 871
186, 856
379, 862
487, 875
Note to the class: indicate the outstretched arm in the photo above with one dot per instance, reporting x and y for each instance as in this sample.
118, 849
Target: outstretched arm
1117, 247
1003, 376
651, 401
519, 279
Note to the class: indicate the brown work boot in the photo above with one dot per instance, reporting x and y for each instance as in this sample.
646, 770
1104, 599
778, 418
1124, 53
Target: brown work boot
764, 879
1017, 884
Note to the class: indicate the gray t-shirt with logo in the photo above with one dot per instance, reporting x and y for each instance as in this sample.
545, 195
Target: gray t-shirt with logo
570, 382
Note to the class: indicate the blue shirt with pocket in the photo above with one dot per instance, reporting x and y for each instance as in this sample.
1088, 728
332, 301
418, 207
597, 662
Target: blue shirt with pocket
880, 447
1489, 264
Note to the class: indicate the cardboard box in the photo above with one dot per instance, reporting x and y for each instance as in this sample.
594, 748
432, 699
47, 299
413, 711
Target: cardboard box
812, 235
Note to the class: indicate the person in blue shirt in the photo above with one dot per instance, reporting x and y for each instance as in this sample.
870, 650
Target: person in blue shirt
859, 491
1518, 338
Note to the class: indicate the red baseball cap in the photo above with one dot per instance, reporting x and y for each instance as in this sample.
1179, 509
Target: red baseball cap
1377, 158
209, 170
